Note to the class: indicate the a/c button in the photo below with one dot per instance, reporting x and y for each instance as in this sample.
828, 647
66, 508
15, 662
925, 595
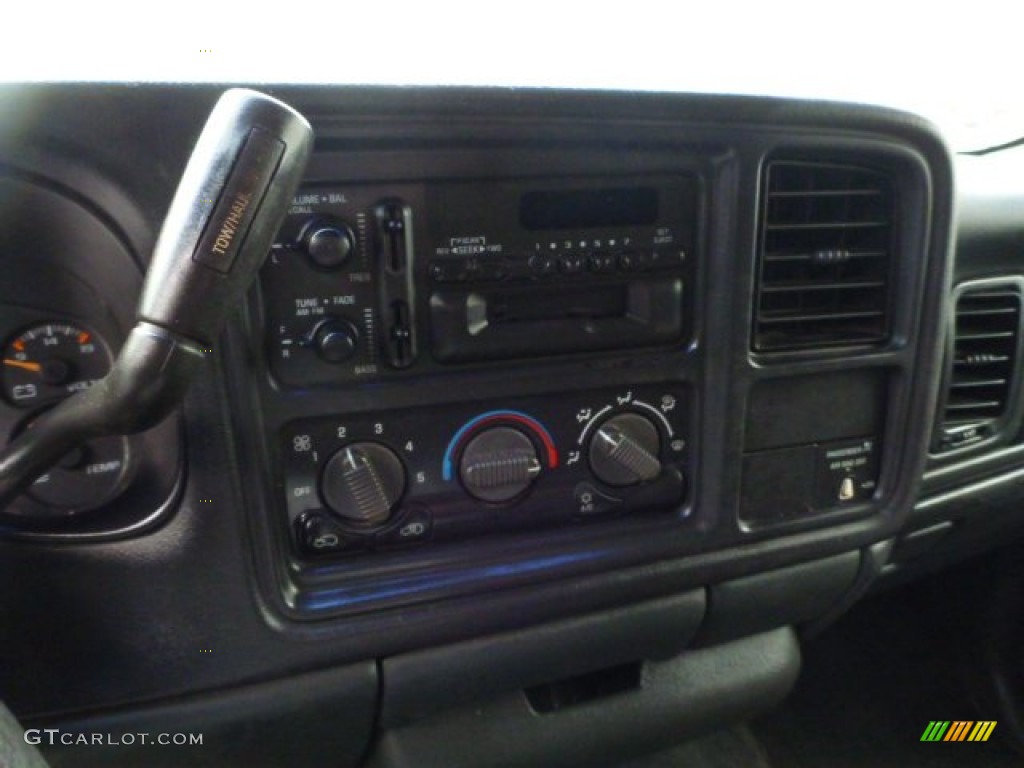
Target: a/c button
590, 501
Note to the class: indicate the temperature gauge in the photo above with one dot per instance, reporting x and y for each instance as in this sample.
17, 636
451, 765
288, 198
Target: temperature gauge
50, 361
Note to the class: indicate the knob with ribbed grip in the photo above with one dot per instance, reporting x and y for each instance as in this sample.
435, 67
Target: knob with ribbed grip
362, 483
624, 450
329, 243
335, 340
499, 464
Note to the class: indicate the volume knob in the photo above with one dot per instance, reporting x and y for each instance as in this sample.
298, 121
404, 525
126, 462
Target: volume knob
362, 482
328, 243
499, 464
624, 450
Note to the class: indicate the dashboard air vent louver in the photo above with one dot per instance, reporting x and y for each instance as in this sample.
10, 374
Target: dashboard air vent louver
825, 257
985, 344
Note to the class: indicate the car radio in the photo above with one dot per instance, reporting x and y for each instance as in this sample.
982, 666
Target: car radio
368, 282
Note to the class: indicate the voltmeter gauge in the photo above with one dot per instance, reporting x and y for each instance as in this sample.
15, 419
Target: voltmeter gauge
51, 361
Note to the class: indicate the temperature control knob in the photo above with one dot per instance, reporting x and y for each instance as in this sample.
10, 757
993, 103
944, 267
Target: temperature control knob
624, 450
499, 464
362, 482
328, 243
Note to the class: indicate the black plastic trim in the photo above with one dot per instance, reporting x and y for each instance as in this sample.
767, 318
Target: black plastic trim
418, 685
316, 719
678, 699
776, 598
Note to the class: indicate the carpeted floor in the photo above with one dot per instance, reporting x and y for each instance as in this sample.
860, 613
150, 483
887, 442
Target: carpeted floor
728, 748
873, 681
870, 685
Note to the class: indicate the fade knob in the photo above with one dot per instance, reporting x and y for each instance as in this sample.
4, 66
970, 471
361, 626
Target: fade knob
499, 464
624, 450
362, 483
335, 340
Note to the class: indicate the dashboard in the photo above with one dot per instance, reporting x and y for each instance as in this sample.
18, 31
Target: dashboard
549, 420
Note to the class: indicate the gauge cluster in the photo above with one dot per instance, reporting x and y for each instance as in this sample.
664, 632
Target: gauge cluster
42, 365
69, 290
103, 487
48, 361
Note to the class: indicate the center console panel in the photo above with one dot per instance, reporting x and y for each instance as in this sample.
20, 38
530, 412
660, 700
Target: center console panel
375, 285
480, 361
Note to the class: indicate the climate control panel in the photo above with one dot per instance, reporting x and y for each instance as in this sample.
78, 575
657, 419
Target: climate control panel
361, 483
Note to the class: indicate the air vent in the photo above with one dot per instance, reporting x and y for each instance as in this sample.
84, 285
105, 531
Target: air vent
985, 350
825, 259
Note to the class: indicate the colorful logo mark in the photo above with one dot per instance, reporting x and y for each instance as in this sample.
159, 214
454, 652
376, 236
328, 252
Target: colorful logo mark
958, 730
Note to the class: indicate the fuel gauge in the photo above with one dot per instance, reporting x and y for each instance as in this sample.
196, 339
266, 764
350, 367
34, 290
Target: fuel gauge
50, 361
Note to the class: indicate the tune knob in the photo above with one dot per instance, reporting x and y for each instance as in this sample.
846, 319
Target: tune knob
499, 464
335, 340
328, 243
624, 450
362, 483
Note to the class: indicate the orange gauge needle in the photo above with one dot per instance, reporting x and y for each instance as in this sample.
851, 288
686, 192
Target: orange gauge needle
34, 367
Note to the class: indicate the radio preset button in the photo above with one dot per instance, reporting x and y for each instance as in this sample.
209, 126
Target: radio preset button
491, 270
542, 265
462, 270
601, 263
450, 271
670, 259
570, 264
437, 272
634, 261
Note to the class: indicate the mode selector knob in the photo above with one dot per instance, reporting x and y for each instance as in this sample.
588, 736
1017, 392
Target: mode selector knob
362, 483
624, 450
335, 340
328, 242
499, 464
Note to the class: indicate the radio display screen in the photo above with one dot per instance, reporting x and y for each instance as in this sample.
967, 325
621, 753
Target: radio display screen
588, 208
